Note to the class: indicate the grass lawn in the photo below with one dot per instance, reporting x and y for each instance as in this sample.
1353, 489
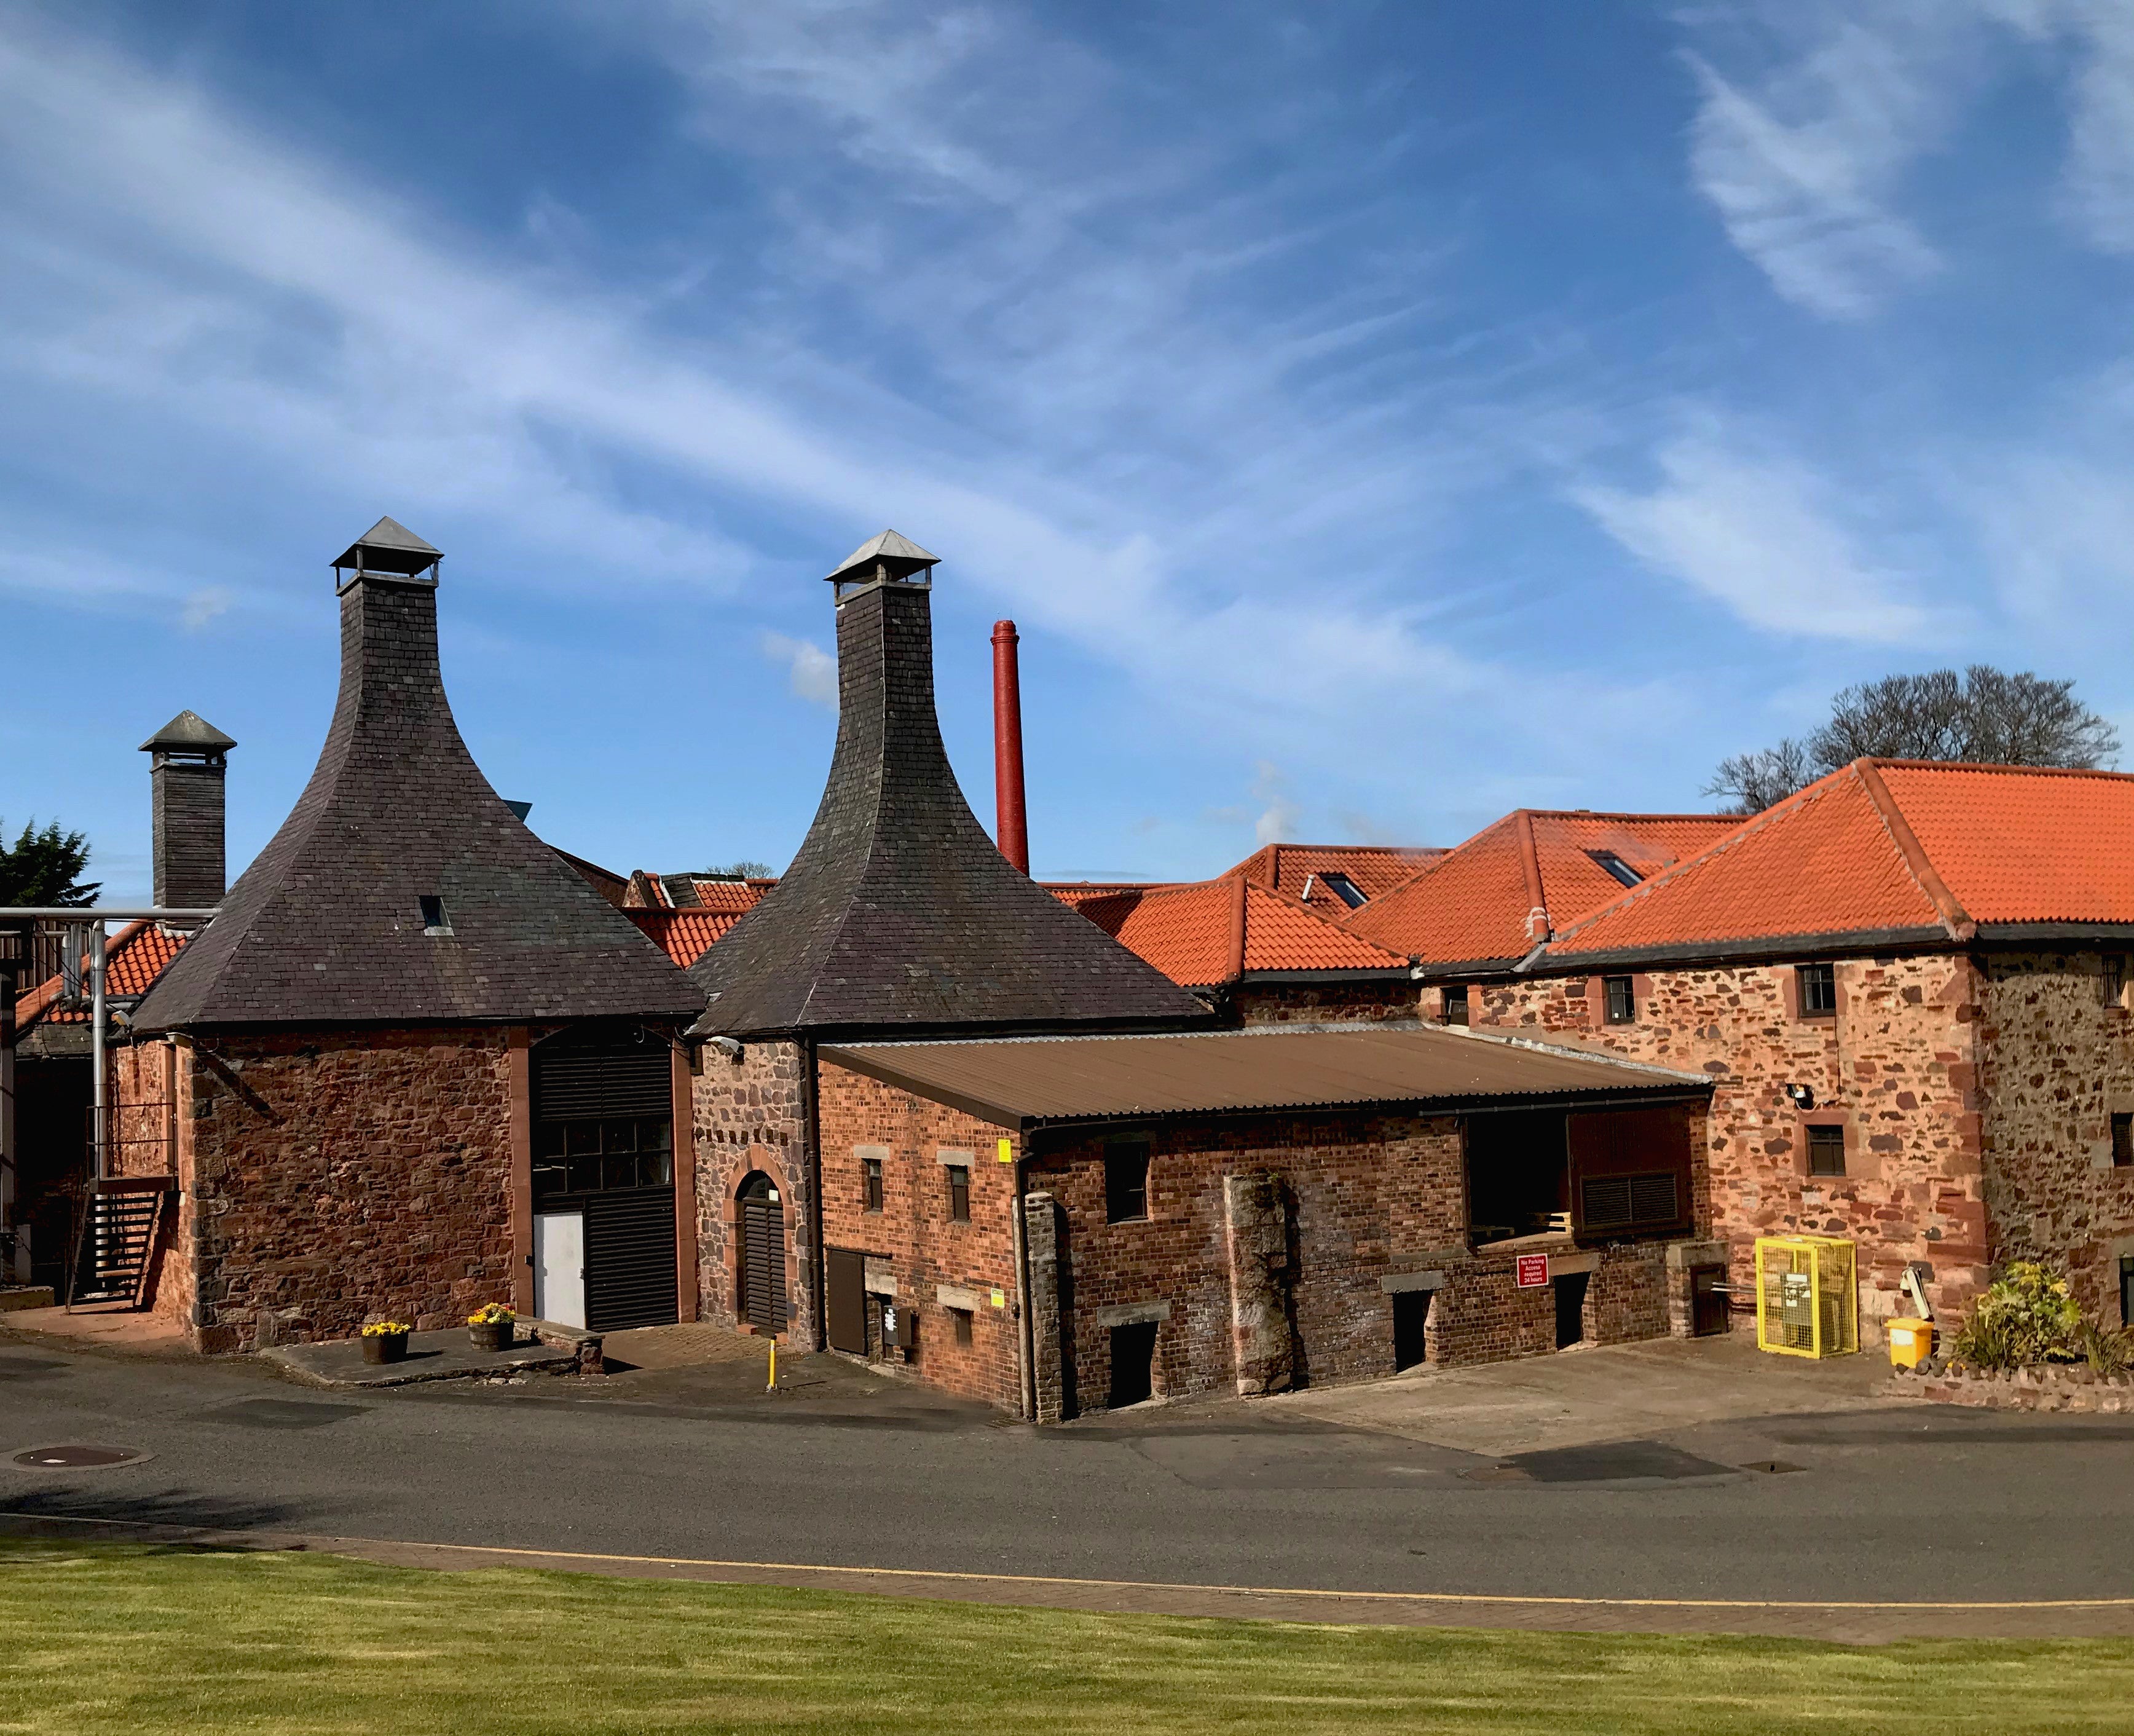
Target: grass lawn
129, 1639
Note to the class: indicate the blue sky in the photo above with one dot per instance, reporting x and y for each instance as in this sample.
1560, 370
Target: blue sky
1375, 417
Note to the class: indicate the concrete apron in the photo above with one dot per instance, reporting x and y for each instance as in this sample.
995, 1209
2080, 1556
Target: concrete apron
1583, 1397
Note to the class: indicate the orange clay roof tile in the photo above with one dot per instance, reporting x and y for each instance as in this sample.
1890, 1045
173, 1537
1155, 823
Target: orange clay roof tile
1475, 903
133, 959
1893, 845
1188, 931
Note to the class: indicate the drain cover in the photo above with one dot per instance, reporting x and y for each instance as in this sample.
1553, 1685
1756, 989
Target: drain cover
1614, 1461
1773, 1466
77, 1458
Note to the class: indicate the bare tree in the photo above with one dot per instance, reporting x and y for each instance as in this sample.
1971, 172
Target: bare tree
1984, 715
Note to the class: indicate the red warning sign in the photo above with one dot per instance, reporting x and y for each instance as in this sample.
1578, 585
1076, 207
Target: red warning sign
1532, 1271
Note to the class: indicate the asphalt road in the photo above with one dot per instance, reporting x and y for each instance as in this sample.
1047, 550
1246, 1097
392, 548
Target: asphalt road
1910, 1502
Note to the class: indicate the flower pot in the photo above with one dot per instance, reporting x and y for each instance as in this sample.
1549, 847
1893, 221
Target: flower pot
495, 1335
385, 1347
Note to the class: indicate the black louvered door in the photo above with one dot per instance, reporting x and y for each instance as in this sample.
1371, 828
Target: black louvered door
603, 1144
763, 1261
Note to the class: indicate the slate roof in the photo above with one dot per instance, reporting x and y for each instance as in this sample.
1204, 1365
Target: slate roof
1490, 901
1209, 933
326, 926
189, 733
1891, 850
1371, 868
898, 913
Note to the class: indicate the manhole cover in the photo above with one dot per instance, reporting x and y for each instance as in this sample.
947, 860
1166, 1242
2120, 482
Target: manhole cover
1773, 1466
1497, 1473
1612, 1462
76, 1459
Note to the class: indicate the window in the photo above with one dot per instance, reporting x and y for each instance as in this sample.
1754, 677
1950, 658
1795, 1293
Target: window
1455, 1003
870, 1182
2123, 1142
435, 922
1126, 1180
2114, 983
1610, 863
598, 1157
1622, 1003
1817, 986
1344, 888
959, 1320
1826, 1151
959, 1193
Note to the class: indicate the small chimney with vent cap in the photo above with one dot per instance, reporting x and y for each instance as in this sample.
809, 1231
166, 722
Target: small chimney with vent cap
186, 774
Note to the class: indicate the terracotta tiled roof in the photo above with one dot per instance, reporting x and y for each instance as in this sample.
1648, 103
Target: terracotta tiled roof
133, 959
1494, 897
1205, 933
686, 936
1884, 845
1371, 868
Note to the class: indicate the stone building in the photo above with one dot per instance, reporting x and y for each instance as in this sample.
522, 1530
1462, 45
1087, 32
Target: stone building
417, 1062
1908, 985
944, 1120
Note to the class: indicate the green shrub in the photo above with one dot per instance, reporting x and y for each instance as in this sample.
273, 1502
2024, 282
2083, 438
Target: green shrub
2109, 1350
2029, 1316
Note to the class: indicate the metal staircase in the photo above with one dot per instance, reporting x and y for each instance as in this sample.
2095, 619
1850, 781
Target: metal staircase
124, 1218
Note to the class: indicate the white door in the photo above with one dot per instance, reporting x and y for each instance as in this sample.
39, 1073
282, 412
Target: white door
559, 1267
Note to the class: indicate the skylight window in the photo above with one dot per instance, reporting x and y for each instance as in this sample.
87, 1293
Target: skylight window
435, 922
1344, 888
1615, 865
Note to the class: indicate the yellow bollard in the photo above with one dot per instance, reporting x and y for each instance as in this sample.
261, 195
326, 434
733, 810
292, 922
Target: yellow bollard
772, 1385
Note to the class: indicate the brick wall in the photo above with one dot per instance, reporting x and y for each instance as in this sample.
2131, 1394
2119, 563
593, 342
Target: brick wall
913, 1236
331, 1178
2057, 1064
751, 1115
1897, 1067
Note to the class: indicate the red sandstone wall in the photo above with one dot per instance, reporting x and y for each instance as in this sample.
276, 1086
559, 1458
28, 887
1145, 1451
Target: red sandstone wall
750, 1114
913, 1232
151, 1124
1274, 1003
2058, 1063
336, 1177
1898, 1064
1370, 1195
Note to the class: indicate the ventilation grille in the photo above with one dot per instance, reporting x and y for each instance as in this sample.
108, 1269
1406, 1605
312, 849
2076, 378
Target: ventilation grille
581, 1086
1609, 1201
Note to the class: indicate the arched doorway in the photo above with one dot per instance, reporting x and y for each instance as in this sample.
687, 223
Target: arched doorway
761, 1279
604, 1249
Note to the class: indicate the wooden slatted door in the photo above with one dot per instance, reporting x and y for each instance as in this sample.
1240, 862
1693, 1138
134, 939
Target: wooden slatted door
844, 1296
762, 1255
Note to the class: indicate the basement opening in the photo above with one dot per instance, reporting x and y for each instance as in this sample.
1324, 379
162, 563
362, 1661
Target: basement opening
1134, 1364
1411, 1319
1571, 1309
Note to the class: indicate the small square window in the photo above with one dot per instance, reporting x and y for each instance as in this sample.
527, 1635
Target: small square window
1817, 985
960, 1194
1126, 1182
870, 1182
1455, 1003
1622, 1003
2123, 1142
960, 1320
1826, 1151
435, 922
2114, 979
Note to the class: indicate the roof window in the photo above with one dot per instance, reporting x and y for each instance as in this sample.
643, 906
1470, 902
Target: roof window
435, 922
1610, 863
1344, 888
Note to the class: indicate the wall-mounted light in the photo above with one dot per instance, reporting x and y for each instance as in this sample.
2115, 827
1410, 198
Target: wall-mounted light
1802, 1097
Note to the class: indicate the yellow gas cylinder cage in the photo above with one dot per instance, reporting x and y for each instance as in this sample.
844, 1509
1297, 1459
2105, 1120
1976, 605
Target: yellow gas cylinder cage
1808, 1296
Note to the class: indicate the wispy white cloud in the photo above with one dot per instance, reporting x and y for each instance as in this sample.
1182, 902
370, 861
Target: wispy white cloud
204, 604
1278, 814
810, 671
1764, 535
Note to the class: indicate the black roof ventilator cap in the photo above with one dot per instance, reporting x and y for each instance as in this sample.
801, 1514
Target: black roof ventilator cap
899, 914
327, 924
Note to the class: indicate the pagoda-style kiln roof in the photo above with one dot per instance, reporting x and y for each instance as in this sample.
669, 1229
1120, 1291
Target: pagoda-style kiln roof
401, 890
898, 913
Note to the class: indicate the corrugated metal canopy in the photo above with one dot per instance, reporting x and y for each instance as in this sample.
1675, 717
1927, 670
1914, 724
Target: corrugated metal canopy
1024, 1081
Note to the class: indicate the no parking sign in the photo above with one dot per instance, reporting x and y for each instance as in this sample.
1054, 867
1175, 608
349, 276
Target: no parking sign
1531, 1271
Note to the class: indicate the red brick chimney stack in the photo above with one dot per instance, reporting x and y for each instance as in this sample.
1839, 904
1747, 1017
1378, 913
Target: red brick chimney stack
1012, 832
